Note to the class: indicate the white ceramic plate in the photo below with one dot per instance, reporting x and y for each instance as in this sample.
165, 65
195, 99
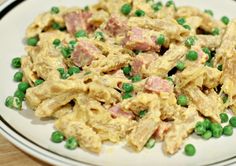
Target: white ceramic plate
33, 136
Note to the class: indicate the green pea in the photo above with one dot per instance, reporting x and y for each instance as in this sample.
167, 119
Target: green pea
224, 117
200, 128
215, 31
170, 3
208, 52
170, 79
232, 121
228, 130
127, 70
207, 123
56, 26
13, 102
142, 113
157, 6
55, 10
71, 143
190, 41
57, 137
72, 44
161, 39
81, 33
126, 9
61, 70
217, 130
182, 100
207, 135
18, 76
189, 150
20, 95
66, 52
210, 12
16, 62
38, 82
225, 98
192, 55
23, 86
64, 76
150, 143
99, 36
127, 87
180, 66
73, 70
137, 52
139, 13
225, 20
220, 67
56, 42
136, 78
32, 41
127, 95
86, 8
181, 21
187, 27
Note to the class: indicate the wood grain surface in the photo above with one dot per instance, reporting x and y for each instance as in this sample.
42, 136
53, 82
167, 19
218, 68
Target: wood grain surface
12, 156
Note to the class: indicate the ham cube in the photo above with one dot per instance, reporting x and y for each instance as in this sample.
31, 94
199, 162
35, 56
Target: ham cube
115, 26
117, 112
157, 84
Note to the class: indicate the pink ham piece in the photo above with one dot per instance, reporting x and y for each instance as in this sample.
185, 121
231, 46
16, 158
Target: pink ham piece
162, 129
117, 112
138, 39
157, 84
76, 21
84, 53
115, 26
142, 60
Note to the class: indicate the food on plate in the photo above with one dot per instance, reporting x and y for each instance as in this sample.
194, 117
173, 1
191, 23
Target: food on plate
140, 71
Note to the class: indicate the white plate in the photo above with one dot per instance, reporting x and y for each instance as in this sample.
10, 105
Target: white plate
33, 136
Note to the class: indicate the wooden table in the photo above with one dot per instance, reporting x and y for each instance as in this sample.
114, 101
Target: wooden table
12, 156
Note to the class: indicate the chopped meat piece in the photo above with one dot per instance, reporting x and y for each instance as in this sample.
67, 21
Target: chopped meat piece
115, 26
157, 85
116, 112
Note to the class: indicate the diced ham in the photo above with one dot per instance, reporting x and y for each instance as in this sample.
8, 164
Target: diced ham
117, 112
162, 129
115, 26
76, 21
139, 39
157, 84
140, 60
84, 53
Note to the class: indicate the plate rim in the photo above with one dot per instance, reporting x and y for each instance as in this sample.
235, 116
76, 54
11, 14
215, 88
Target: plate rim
25, 144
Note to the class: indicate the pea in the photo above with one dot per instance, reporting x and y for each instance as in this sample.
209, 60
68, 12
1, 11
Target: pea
139, 13
142, 113
20, 95
207, 135
225, 98
38, 82
55, 10
66, 52
181, 21
190, 41
81, 33
56, 42
182, 100
86, 8
200, 128
224, 117
127, 70
180, 66
210, 12
64, 76
150, 143
170, 3
13, 102
56, 26
189, 150
208, 52
61, 70
71, 143
127, 95
215, 31
220, 67
157, 6
16, 62
57, 137
161, 39
170, 79
73, 70
32, 41
187, 27
18, 76
72, 44
207, 123
99, 36
23, 86
126, 9
136, 78
228, 130
232, 121
192, 55
127, 87
225, 20
216, 129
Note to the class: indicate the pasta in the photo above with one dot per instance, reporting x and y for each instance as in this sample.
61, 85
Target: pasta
112, 71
